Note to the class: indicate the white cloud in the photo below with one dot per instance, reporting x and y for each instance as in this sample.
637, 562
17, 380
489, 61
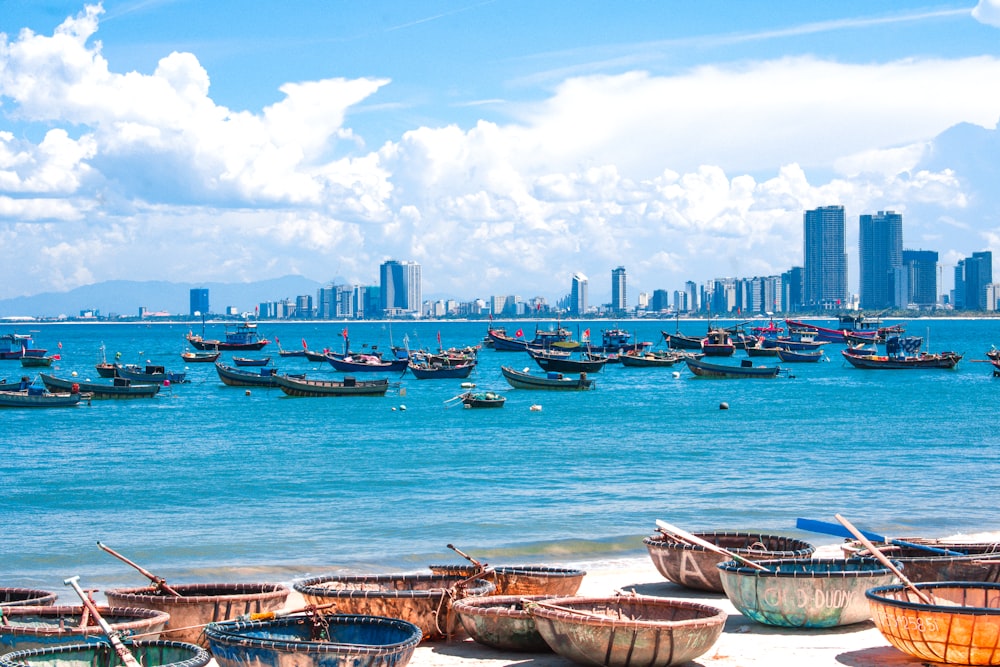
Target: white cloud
987, 12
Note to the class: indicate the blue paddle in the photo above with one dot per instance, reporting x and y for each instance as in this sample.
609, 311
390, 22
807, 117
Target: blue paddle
827, 528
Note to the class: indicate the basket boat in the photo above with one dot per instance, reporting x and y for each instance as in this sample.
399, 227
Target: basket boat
522, 579
696, 567
332, 641
501, 621
41, 627
424, 600
26, 597
963, 630
804, 593
980, 562
200, 604
627, 631
155, 653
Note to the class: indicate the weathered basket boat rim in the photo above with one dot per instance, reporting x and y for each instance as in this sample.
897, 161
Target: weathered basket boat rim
546, 570
143, 618
232, 632
665, 542
197, 594
315, 585
33, 597
200, 657
502, 606
774, 566
878, 595
711, 614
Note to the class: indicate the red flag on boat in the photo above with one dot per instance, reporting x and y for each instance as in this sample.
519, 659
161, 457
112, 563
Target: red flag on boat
586, 334
304, 346
57, 357
439, 339
518, 333
344, 333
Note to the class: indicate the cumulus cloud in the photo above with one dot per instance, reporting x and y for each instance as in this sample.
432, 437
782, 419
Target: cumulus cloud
987, 12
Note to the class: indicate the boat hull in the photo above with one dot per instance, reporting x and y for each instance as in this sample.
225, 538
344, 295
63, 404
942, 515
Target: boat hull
942, 360
706, 369
563, 365
119, 390
234, 377
520, 380
346, 365
441, 372
306, 388
40, 627
152, 653
34, 399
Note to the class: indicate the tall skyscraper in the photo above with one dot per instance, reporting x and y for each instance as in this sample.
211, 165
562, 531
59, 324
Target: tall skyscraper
978, 274
400, 288
921, 267
578, 295
199, 302
619, 298
825, 255
880, 253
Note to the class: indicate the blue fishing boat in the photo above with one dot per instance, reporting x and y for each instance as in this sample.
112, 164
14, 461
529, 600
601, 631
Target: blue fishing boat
258, 377
552, 380
565, 364
797, 356
248, 361
149, 373
241, 338
39, 397
15, 346
366, 363
434, 369
746, 369
119, 387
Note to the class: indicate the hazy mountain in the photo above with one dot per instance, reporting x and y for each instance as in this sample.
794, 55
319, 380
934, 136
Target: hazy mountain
126, 297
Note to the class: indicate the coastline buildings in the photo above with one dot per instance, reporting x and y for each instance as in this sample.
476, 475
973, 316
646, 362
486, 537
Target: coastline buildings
619, 297
399, 283
578, 295
920, 270
825, 258
880, 256
972, 277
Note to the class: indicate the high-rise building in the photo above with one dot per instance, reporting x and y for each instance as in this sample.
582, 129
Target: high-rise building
978, 274
880, 253
825, 258
578, 295
921, 269
791, 289
199, 302
619, 298
400, 288
659, 302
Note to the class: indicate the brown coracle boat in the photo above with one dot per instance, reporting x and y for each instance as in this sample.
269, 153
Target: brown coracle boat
522, 579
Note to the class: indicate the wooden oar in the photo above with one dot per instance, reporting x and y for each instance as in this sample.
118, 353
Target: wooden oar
159, 582
467, 557
555, 607
116, 641
883, 559
694, 539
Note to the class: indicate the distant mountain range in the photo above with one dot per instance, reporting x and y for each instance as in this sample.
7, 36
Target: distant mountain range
126, 297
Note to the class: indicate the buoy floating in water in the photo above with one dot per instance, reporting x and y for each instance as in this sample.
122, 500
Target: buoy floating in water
676, 374
535, 408
723, 406
247, 393
468, 385
402, 408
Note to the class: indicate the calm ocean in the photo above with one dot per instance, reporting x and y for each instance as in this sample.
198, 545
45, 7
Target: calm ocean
207, 484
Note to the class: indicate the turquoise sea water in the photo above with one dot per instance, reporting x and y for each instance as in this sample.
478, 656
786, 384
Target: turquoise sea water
205, 483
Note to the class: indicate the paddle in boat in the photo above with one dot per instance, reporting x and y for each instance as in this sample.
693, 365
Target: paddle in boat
746, 369
305, 387
525, 380
119, 387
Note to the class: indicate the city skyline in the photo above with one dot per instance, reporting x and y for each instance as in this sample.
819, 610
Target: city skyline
165, 140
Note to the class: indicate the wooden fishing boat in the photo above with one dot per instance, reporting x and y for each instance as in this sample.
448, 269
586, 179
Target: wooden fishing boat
564, 364
679, 341
332, 641
628, 630
366, 363
718, 343
901, 353
758, 349
424, 600
151, 653
247, 361
259, 377
799, 356
650, 359
616, 341
38, 397
960, 627
851, 328
502, 622
26, 597
29, 361
16, 346
804, 593
20, 385
746, 369
241, 338
349, 386
482, 399
525, 380
696, 567
544, 339
150, 373
200, 604
437, 369
119, 387
521, 579
39, 627
200, 356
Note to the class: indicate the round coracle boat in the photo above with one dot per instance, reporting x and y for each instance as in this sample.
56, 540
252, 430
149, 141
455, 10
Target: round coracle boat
961, 627
40, 627
26, 597
314, 641
627, 631
201, 604
155, 653
972, 561
501, 621
804, 593
522, 579
696, 567
424, 600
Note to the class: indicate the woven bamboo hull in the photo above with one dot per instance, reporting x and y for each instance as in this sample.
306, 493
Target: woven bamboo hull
149, 653
349, 641
696, 567
41, 627
981, 564
522, 579
805, 593
630, 631
968, 634
199, 604
424, 600
501, 621
26, 597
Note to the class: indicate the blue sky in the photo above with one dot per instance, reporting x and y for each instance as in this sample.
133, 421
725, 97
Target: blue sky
503, 145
